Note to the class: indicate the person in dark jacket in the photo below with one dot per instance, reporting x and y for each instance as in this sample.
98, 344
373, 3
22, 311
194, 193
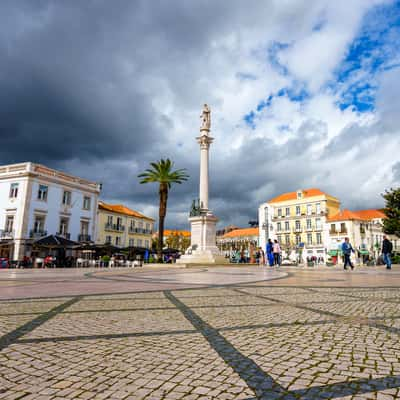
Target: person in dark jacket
347, 248
387, 248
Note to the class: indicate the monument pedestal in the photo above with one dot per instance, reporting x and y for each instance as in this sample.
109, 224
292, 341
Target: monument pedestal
203, 249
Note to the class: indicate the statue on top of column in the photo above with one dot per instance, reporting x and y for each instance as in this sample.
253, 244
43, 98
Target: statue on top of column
205, 118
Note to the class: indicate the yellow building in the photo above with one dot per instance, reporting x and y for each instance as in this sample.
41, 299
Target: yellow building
299, 219
122, 227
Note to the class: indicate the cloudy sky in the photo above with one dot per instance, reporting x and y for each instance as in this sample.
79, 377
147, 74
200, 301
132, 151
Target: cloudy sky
303, 94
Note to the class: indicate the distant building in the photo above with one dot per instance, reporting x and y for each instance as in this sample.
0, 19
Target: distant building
122, 227
362, 227
298, 220
36, 201
239, 239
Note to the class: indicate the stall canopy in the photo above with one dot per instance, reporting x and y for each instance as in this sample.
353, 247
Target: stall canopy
55, 242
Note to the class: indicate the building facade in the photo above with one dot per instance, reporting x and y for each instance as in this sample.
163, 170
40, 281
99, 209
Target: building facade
122, 227
36, 201
298, 221
362, 227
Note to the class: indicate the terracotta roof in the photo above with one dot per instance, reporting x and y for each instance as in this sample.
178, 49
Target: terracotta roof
241, 232
360, 215
169, 232
121, 209
370, 214
293, 195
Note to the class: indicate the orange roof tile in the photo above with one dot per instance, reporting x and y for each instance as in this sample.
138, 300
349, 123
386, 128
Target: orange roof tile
360, 215
370, 214
169, 232
241, 232
121, 209
293, 195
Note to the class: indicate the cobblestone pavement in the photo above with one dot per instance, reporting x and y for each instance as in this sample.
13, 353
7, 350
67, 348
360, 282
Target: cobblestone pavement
262, 340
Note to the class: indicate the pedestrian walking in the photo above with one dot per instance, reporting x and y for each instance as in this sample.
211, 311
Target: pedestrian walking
387, 248
347, 248
276, 249
270, 255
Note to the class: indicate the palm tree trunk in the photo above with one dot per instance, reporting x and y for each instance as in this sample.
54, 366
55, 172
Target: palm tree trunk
162, 213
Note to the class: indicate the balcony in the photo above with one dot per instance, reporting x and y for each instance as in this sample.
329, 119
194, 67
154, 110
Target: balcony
297, 230
140, 231
37, 234
84, 238
6, 234
114, 227
333, 232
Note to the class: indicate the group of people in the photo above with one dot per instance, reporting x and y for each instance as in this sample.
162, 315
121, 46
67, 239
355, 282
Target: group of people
274, 253
387, 249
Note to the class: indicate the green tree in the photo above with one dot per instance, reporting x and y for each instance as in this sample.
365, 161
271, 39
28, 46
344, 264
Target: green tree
391, 224
161, 173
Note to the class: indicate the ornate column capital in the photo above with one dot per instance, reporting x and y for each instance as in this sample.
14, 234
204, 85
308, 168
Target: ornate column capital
204, 141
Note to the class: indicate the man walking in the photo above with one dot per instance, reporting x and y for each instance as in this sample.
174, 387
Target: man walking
387, 248
347, 248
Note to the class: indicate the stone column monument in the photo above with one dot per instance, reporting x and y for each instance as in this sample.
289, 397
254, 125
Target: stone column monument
203, 248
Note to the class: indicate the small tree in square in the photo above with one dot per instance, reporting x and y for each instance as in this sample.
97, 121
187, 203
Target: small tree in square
391, 224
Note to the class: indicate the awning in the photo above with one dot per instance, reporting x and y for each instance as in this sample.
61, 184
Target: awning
55, 242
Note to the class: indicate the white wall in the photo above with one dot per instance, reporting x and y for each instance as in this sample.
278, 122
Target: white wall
55, 209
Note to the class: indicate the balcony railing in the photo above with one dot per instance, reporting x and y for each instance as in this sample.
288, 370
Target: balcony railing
140, 230
65, 235
84, 238
6, 234
114, 227
297, 230
34, 234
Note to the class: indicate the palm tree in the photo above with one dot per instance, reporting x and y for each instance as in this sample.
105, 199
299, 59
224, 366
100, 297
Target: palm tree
162, 173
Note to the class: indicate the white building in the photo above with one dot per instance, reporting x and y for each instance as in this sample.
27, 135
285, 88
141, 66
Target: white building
36, 201
362, 227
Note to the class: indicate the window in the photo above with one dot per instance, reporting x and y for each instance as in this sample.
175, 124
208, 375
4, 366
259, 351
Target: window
140, 224
298, 239
308, 223
86, 202
297, 210
287, 240
13, 190
279, 212
84, 228
109, 219
66, 200
299, 194
309, 238
287, 226
117, 240
63, 230
287, 211
38, 226
309, 209
297, 225
108, 239
278, 227
279, 237
318, 223
147, 226
146, 244
139, 242
319, 238
343, 227
131, 242
42, 192
318, 205
9, 223
132, 224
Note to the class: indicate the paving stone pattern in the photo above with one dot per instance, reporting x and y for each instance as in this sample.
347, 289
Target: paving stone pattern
244, 342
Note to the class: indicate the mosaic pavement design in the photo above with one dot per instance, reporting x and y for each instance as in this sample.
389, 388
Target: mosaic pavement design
250, 341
